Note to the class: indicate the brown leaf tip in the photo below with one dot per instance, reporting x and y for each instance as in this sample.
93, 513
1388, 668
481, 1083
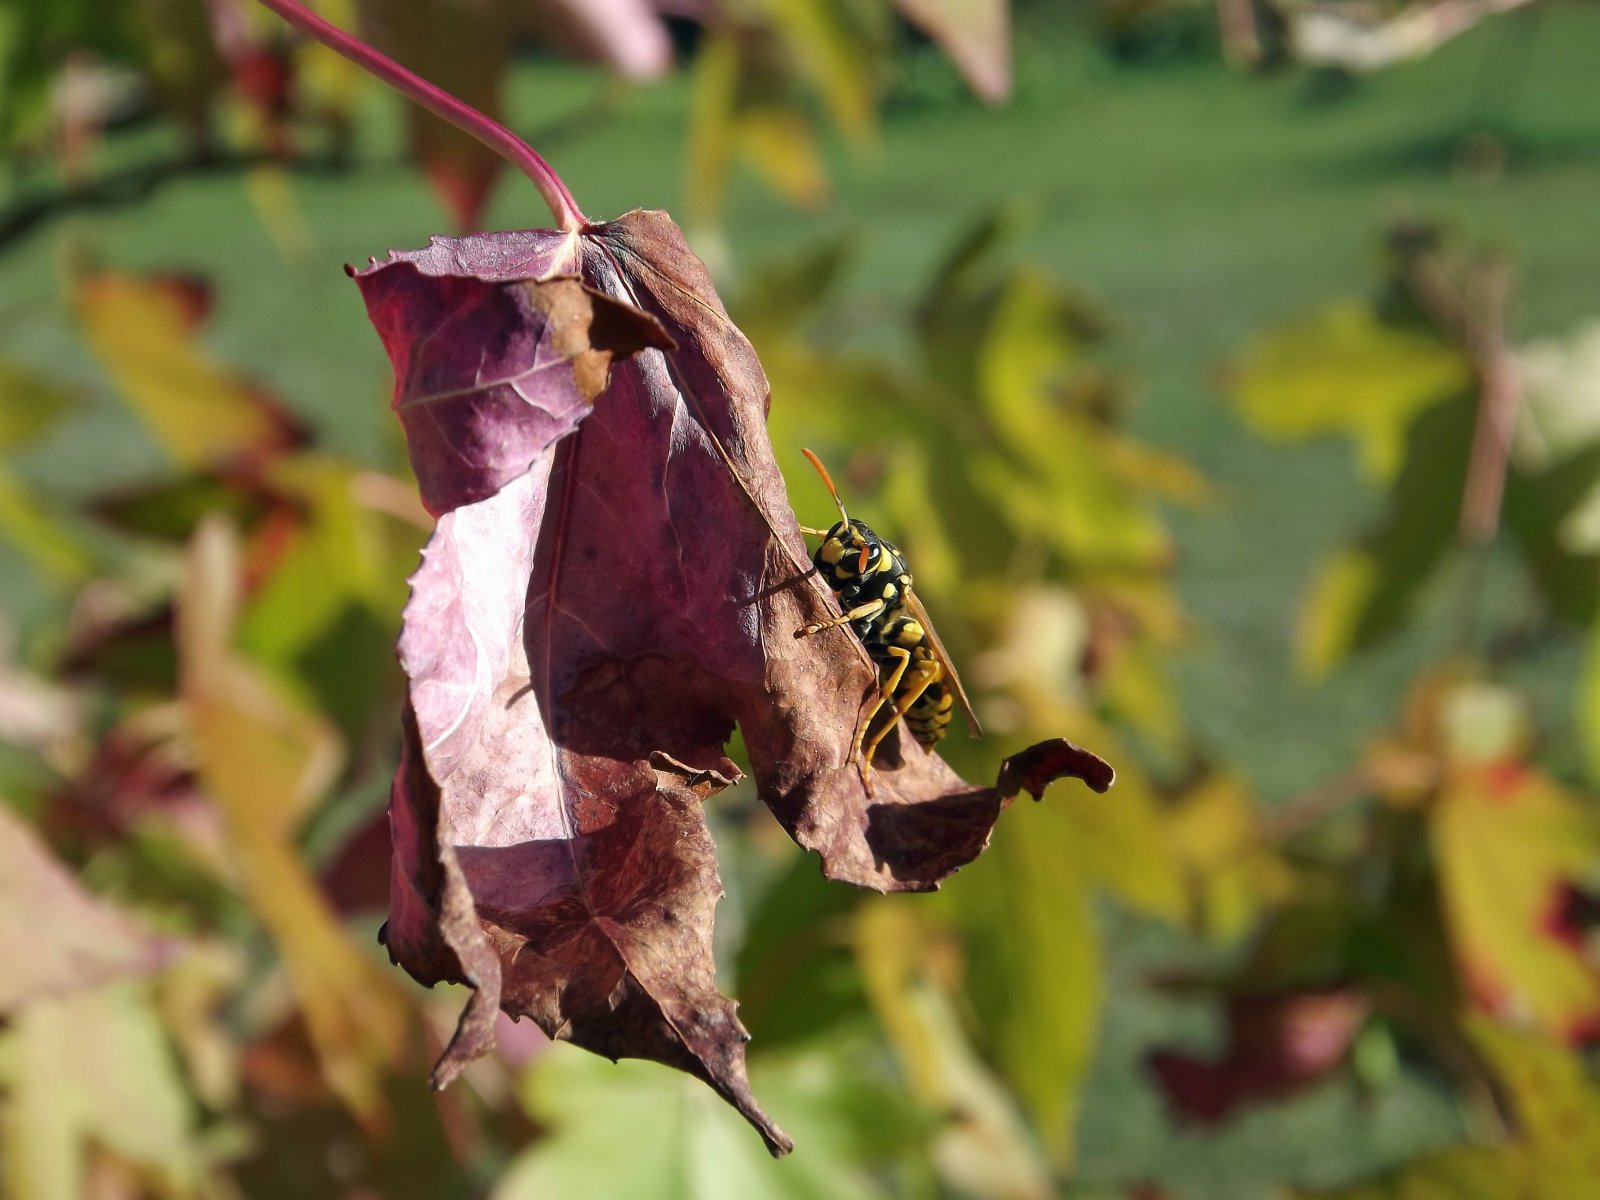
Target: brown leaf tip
1034, 769
592, 330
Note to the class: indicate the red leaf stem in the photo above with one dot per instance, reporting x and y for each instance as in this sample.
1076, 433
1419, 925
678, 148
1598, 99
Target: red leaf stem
568, 216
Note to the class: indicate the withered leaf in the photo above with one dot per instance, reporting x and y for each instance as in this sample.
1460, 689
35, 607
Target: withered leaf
613, 583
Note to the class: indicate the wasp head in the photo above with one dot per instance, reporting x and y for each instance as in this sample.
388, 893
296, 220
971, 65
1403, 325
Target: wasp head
851, 548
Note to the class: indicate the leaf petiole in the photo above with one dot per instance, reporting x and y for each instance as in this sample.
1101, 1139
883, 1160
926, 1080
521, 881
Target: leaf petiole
568, 216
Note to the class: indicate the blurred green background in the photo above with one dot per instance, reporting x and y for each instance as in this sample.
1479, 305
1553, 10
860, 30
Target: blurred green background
1238, 409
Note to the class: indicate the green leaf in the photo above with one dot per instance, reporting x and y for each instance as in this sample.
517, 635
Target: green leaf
324, 616
1036, 975
783, 291
462, 48
1554, 1150
958, 304
1346, 371
1026, 909
169, 509
1537, 507
30, 404
93, 1070
637, 1129
961, 271
1365, 593
983, 1149
182, 58
1461, 1173
796, 971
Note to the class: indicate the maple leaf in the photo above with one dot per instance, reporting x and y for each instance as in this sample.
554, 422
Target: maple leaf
613, 584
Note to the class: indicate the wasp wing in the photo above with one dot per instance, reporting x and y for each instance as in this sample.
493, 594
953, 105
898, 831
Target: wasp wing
942, 656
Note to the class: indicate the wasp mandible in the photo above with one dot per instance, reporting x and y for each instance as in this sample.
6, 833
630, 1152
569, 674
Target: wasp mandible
915, 675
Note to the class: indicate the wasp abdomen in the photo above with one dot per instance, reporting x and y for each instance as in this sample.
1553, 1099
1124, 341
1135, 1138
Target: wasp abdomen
929, 717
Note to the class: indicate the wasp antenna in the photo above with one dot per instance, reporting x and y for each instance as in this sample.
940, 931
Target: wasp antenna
827, 479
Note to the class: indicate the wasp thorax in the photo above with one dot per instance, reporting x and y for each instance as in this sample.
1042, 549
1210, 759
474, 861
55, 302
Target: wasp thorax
907, 632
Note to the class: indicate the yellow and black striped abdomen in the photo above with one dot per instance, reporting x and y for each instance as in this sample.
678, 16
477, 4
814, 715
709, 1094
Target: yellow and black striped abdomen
929, 717
929, 714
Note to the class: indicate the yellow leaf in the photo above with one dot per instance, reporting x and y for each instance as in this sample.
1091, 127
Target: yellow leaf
200, 414
1082, 510
1134, 686
1557, 1109
984, 1151
710, 134
1090, 496
1026, 356
33, 529
1345, 371
908, 499
834, 57
1158, 473
1331, 611
1230, 873
1026, 909
325, 81
264, 761
1589, 703
1508, 841
270, 189
1116, 839
781, 147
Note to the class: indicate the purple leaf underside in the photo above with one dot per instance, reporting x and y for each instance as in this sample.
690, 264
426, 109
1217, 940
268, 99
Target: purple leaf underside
613, 583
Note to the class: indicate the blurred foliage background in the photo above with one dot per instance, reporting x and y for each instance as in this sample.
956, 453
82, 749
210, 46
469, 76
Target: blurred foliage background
1231, 377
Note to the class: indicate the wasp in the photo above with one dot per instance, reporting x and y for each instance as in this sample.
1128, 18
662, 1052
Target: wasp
916, 678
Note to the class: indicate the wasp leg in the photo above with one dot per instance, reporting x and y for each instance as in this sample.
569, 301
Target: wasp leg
870, 609
886, 688
927, 674
813, 532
